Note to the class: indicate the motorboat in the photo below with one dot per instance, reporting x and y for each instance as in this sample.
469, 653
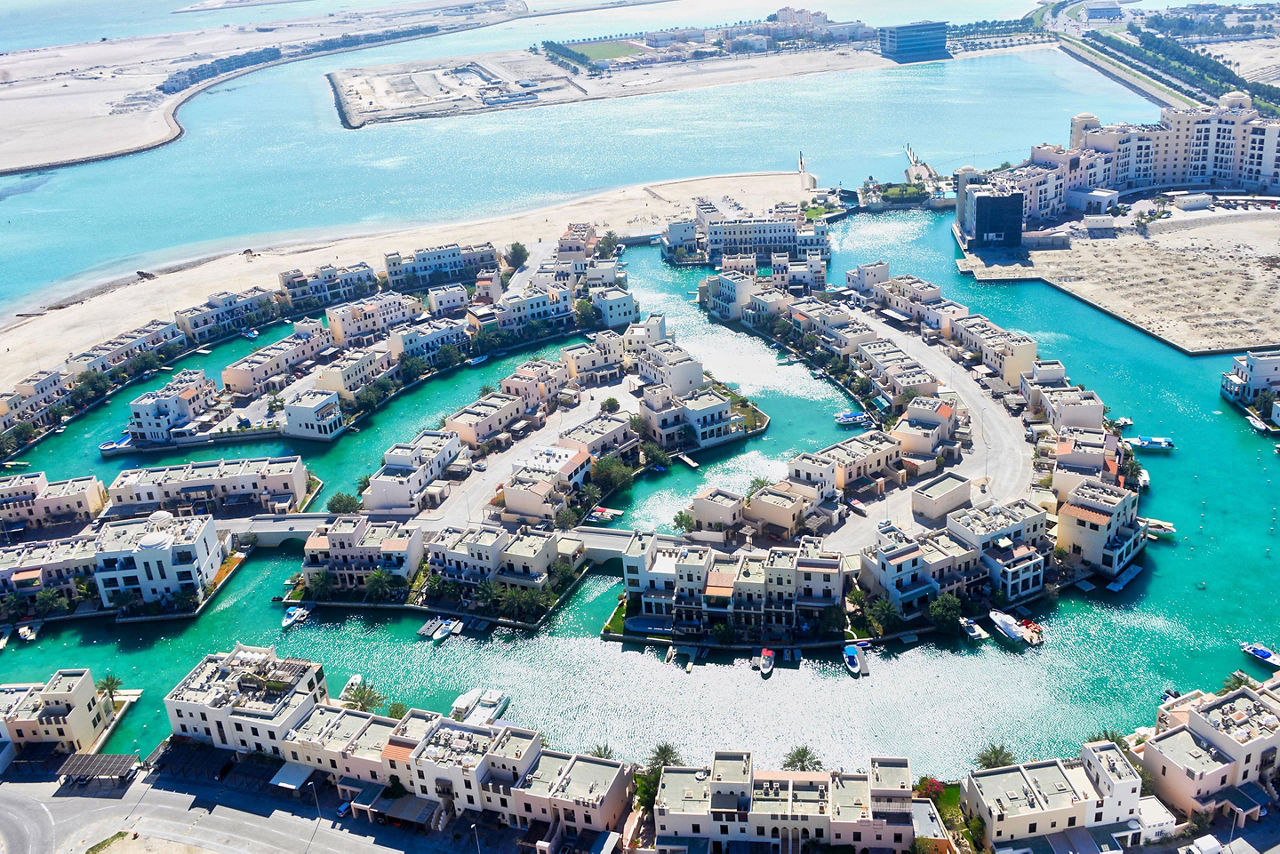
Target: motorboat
445, 629
353, 683
852, 419
1260, 652
1122, 423
26, 633
488, 708
291, 616
1144, 479
250, 334
1007, 626
972, 630
851, 662
465, 703
766, 662
1152, 443
476, 361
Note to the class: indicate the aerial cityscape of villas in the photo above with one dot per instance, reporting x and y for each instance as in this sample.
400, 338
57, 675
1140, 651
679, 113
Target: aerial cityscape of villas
1228, 146
1206, 755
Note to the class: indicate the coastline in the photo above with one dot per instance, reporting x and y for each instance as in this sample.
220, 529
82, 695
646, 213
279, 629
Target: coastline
99, 309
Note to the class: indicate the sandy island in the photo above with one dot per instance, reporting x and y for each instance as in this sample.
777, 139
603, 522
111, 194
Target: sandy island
1203, 281
110, 308
71, 103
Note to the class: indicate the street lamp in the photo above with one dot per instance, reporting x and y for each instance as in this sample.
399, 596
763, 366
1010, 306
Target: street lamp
312, 786
475, 833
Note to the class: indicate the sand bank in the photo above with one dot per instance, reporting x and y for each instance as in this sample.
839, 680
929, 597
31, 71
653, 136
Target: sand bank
1202, 281
75, 103
106, 309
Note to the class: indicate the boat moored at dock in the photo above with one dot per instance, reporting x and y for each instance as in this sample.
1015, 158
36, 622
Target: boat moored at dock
353, 683
851, 662
1261, 653
1151, 443
766, 662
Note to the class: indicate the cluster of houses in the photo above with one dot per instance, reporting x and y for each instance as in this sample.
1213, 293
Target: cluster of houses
721, 228
1252, 373
1228, 144
1207, 754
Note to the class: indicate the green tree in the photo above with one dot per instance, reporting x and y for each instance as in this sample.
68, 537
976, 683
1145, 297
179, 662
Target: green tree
610, 405
590, 495
945, 613
1130, 469
684, 522
1232, 682
1264, 401
412, 367
601, 751
23, 432
486, 595
637, 425
448, 356
487, 389
994, 756
664, 753
1112, 736
801, 758
588, 316
123, 600
320, 586
566, 518
884, 615
109, 684
654, 454
397, 710
378, 586
47, 602
611, 474
517, 255
607, 244
363, 697
343, 502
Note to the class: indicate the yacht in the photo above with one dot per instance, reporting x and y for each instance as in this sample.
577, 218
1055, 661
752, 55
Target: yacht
851, 662
291, 616
1007, 626
353, 683
488, 708
1152, 443
1260, 652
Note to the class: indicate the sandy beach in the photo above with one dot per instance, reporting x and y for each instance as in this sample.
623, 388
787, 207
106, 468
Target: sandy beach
1204, 281
103, 310
71, 103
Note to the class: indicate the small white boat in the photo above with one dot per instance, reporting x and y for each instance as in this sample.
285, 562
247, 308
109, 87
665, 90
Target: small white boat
766, 662
26, 633
4, 636
1261, 653
851, 660
972, 630
291, 616
1144, 480
478, 360
353, 683
1122, 423
446, 629
1152, 443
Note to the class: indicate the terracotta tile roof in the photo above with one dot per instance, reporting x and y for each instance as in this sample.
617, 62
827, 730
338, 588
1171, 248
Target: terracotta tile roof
1084, 513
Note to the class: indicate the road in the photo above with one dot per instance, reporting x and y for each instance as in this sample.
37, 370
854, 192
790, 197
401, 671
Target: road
41, 817
1000, 456
466, 503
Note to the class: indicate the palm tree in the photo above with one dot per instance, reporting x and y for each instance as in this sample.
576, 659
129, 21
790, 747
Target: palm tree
1112, 736
994, 756
378, 586
123, 599
320, 587
664, 754
1232, 682
109, 685
486, 594
602, 751
801, 758
363, 697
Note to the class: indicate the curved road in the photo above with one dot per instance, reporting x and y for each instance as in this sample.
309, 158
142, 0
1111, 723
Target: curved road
27, 826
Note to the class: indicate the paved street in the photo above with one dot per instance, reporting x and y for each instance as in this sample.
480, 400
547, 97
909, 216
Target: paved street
466, 504
1000, 455
41, 817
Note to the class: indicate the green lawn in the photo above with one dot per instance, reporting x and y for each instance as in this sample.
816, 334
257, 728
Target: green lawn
606, 50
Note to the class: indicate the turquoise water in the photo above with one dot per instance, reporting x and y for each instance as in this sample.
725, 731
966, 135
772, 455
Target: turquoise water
265, 154
1106, 661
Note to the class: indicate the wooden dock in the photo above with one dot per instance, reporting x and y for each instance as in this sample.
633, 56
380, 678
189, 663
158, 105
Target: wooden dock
684, 458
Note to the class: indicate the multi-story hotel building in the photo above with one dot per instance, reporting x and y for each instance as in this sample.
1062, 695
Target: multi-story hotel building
270, 484
360, 323
266, 369
439, 265
66, 712
157, 558
224, 313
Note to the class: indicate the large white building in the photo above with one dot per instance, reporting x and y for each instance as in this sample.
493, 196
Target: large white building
158, 557
66, 712
328, 284
224, 313
438, 265
409, 472
118, 352
1099, 525
260, 484
157, 417
359, 323
266, 369
30, 499
351, 548
424, 338
313, 414
724, 228
1251, 373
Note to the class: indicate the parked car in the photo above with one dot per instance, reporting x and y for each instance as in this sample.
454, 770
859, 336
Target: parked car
344, 809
